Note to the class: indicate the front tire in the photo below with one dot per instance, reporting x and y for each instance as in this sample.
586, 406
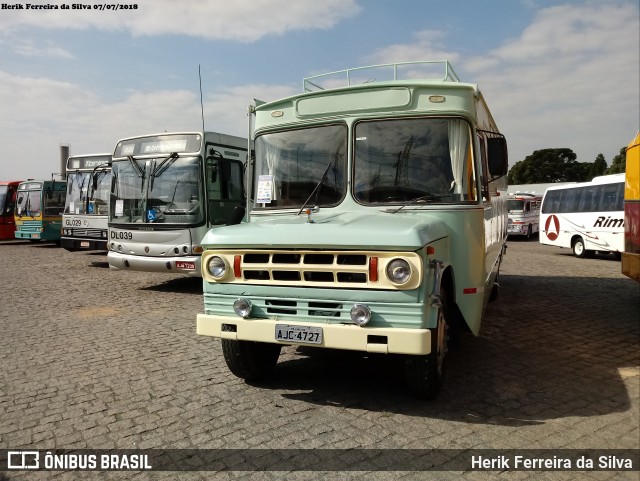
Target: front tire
529, 232
251, 361
423, 374
579, 249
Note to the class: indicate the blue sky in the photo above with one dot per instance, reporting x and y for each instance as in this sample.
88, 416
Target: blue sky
555, 73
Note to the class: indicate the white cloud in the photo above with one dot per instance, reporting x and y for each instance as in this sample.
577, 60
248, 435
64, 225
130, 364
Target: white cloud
570, 80
26, 47
242, 20
428, 46
39, 115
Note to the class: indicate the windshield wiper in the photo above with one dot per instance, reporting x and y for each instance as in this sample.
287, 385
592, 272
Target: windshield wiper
427, 196
135, 165
164, 165
316, 189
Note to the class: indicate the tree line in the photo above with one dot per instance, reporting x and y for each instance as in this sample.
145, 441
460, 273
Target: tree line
560, 165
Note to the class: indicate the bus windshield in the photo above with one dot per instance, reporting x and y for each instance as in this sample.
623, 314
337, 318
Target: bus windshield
423, 159
291, 164
28, 203
86, 197
150, 191
3, 197
514, 205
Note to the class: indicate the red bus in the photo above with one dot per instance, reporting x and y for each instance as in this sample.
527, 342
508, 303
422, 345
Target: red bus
8, 191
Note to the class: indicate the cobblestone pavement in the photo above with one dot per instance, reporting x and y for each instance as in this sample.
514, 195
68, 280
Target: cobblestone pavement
95, 358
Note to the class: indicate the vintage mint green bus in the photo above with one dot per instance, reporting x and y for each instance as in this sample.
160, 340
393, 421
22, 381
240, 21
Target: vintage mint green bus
377, 223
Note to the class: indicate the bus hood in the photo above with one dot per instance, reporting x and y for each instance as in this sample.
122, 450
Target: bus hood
350, 230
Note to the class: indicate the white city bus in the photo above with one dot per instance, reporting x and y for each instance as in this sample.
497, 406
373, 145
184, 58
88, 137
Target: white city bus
524, 214
167, 191
585, 217
86, 211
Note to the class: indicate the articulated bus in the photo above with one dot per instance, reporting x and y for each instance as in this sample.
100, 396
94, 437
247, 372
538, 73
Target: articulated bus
86, 211
8, 194
167, 191
586, 217
39, 207
631, 254
524, 214
377, 223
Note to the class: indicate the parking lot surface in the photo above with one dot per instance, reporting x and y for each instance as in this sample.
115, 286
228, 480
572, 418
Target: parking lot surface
96, 358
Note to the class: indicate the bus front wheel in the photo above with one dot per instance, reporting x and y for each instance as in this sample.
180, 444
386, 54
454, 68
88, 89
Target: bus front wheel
251, 361
423, 374
579, 249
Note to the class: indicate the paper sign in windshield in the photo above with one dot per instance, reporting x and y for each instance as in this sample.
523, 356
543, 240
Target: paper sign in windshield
265, 187
119, 208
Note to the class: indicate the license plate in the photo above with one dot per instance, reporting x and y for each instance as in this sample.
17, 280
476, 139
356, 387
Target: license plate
84, 243
191, 266
35, 236
298, 334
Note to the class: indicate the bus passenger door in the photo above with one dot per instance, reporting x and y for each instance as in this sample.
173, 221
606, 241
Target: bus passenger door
225, 190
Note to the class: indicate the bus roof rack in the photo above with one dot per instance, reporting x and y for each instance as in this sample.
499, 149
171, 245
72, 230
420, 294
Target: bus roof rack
436, 70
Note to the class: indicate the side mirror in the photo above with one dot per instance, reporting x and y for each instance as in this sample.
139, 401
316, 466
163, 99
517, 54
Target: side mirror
498, 158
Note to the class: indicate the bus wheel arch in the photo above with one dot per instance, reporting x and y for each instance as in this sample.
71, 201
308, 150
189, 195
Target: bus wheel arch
423, 373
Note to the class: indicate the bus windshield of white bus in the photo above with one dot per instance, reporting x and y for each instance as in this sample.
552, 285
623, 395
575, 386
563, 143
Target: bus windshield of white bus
88, 193
164, 190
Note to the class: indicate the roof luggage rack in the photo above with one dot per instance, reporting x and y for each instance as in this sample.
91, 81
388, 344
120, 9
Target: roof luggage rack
437, 70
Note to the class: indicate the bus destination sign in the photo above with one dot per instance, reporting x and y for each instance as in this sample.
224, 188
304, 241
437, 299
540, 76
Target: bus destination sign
30, 186
81, 163
159, 144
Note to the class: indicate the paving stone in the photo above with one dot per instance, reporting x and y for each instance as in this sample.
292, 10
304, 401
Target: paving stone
109, 359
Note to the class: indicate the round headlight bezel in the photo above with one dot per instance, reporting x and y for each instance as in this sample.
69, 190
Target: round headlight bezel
242, 307
219, 270
399, 271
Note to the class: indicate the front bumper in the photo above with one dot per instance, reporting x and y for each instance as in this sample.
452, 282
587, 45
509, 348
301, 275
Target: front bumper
384, 340
188, 265
73, 244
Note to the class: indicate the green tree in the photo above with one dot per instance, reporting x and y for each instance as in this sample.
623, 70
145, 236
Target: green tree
548, 166
618, 164
598, 167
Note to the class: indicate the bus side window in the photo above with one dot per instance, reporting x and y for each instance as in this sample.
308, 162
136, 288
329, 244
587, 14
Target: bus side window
484, 174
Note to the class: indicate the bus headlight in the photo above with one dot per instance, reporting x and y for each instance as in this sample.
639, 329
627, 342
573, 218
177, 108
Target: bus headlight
242, 307
217, 267
360, 315
398, 271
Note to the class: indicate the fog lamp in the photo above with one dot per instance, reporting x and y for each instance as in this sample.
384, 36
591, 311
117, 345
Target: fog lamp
360, 315
242, 307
